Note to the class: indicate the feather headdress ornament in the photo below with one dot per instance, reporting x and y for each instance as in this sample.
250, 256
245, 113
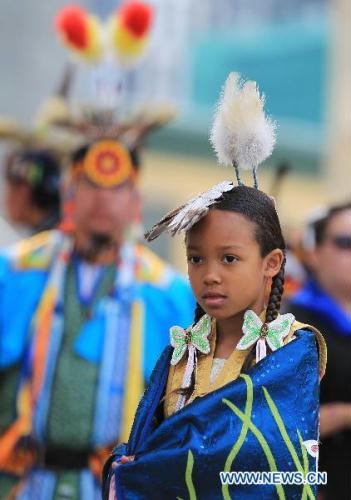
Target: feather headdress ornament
242, 136
90, 124
125, 35
185, 216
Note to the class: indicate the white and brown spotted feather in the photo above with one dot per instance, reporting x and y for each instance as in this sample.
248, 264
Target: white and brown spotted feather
186, 216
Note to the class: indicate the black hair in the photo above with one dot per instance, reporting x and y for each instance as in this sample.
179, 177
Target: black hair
40, 170
79, 154
320, 226
259, 208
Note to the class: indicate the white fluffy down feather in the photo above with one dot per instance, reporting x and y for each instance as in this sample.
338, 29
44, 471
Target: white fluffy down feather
241, 132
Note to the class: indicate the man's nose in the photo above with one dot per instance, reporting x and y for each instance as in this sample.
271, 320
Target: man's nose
102, 193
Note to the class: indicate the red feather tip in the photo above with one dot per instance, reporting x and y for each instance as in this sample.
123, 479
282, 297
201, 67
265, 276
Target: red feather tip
136, 17
71, 23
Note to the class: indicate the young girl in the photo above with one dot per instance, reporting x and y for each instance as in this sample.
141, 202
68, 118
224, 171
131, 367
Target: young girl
238, 390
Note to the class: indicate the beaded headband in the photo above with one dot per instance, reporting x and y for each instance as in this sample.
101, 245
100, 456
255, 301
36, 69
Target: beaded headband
107, 164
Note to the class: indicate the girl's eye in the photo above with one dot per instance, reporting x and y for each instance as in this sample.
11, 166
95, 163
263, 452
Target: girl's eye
194, 259
229, 259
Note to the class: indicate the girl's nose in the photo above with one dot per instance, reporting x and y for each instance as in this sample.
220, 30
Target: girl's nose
211, 277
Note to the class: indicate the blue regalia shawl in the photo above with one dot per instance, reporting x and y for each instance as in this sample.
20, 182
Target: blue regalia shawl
259, 422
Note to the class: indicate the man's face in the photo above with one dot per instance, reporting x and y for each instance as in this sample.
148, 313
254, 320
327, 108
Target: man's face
331, 260
105, 211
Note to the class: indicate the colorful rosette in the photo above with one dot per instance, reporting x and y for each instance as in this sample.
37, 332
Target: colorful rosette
129, 31
80, 32
108, 163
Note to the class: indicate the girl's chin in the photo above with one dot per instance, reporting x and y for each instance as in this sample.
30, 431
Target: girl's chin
219, 314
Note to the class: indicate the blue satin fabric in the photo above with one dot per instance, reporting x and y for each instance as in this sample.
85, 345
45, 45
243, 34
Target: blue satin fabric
19, 296
209, 428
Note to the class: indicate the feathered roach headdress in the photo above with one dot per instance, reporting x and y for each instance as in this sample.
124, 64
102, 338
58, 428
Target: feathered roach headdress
242, 136
125, 35
106, 148
108, 138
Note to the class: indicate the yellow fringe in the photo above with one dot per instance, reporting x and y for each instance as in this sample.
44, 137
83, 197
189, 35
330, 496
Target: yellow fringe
135, 381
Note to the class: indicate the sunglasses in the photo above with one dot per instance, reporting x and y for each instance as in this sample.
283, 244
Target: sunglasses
340, 241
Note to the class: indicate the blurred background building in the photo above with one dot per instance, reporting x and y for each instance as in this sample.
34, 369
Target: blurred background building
299, 51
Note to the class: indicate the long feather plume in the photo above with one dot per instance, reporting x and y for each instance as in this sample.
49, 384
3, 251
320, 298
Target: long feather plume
242, 135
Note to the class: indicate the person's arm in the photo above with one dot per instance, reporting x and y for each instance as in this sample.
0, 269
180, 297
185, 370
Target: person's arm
334, 417
108, 481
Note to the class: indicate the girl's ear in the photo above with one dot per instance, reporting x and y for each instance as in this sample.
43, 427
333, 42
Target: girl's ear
273, 262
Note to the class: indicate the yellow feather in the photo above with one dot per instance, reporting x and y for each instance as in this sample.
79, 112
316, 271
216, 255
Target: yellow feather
126, 46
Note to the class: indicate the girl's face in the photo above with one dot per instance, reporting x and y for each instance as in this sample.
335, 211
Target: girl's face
226, 270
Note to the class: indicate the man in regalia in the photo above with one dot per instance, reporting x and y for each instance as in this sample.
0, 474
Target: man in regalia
84, 314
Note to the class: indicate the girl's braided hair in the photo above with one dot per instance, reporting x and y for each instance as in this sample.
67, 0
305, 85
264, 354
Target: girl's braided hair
259, 208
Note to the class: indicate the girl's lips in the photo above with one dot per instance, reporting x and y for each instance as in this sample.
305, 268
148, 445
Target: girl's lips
214, 300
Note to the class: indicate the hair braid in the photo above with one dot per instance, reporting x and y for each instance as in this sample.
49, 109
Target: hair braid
258, 208
199, 312
275, 297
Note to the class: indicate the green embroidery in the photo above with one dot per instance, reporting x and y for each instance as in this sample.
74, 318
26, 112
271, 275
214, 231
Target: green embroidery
279, 421
244, 430
274, 332
245, 417
264, 444
197, 336
305, 463
188, 476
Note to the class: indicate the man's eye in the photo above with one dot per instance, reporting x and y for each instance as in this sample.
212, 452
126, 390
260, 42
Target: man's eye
229, 259
194, 259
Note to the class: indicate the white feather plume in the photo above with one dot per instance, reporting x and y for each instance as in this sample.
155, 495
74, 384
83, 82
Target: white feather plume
196, 208
186, 216
242, 134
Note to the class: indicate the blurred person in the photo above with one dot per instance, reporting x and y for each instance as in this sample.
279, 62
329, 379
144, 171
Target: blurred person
32, 189
33, 165
325, 302
76, 302
295, 273
74, 309
295, 268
